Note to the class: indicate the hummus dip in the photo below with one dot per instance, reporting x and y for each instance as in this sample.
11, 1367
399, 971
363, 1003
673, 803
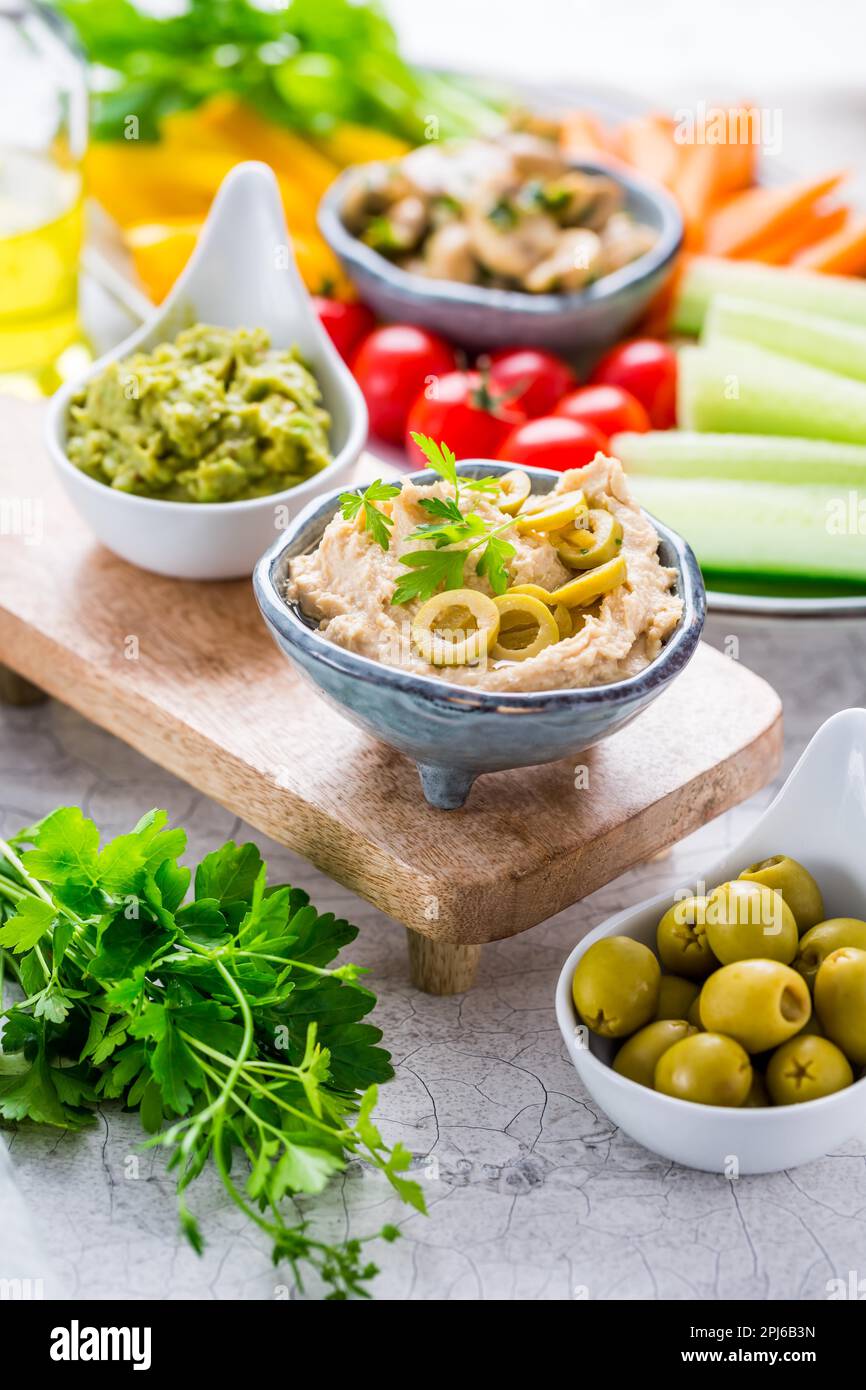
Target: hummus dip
347, 585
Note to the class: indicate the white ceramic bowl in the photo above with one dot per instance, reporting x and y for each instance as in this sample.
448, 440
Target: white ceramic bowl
819, 817
241, 274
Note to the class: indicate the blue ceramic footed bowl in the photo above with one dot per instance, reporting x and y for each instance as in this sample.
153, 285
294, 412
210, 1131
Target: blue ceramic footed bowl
481, 317
454, 733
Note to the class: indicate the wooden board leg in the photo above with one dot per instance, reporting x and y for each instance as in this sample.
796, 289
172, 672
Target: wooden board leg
15, 690
439, 967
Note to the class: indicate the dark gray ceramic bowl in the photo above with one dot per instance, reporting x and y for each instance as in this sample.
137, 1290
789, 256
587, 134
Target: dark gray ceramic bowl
478, 317
452, 732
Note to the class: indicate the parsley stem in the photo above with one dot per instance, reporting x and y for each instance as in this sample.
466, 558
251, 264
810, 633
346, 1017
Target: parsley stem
237, 1064
288, 964
288, 1073
33, 884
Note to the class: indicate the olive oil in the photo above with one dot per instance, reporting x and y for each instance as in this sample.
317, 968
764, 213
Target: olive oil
41, 218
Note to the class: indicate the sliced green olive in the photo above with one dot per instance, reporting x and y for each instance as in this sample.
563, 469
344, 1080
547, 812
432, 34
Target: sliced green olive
514, 488
562, 511
594, 544
532, 590
456, 628
591, 585
562, 618
526, 627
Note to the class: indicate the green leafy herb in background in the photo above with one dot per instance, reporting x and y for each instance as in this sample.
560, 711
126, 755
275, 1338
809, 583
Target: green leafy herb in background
308, 64
216, 1015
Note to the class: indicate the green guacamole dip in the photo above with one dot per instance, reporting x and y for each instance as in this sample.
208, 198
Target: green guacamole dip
216, 416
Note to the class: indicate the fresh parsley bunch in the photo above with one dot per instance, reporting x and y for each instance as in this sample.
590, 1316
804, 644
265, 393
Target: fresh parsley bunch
452, 535
214, 1014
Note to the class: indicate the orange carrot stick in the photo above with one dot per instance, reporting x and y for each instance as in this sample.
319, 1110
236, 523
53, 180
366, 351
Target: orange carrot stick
762, 213
843, 253
811, 228
648, 145
709, 173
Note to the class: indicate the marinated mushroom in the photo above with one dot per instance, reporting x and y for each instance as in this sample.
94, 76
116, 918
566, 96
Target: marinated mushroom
508, 211
448, 255
575, 262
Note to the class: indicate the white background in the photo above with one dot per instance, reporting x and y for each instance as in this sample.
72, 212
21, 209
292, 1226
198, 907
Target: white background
807, 57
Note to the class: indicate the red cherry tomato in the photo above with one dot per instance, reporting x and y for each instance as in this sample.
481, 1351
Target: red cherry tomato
533, 380
345, 323
391, 366
553, 441
609, 408
461, 410
648, 369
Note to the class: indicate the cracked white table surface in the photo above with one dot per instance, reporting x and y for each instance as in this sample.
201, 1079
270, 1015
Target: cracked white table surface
532, 1192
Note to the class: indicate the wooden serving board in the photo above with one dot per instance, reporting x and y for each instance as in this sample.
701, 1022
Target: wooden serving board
208, 696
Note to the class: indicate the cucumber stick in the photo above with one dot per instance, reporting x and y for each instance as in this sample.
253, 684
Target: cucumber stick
763, 528
807, 291
837, 347
754, 458
734, 388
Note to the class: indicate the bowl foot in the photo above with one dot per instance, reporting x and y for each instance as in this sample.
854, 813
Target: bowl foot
446, 788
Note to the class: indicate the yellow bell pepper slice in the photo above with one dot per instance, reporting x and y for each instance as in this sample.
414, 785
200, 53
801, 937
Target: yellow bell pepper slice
456, 628
348, 144
526, 627
586, 587
559, 513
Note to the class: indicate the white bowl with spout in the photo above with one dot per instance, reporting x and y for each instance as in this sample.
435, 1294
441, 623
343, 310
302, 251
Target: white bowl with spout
242, 273
818, 818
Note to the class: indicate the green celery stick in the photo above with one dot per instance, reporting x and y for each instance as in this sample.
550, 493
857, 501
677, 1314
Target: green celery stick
764, 528
770, 458
828, 343
734, 388
832, 296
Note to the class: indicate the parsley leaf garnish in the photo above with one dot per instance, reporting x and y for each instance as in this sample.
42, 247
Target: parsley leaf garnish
439, 457
375, 520
444, 568
489, 485
493, 563
429, 570
447, 526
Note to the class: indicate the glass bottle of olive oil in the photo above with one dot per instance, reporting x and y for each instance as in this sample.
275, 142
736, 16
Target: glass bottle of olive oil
43, 131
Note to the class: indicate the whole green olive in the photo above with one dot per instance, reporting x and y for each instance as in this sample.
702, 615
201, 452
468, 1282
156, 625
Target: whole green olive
676, 996
827, 936
707, 1068
761, 1003
616, 986
758, 1095
746, 920
681, 939
806, 1069
840, 998
638, 1055
796, 885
